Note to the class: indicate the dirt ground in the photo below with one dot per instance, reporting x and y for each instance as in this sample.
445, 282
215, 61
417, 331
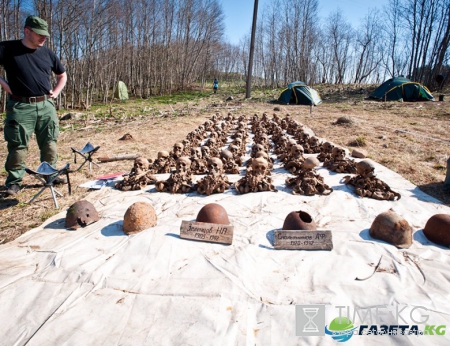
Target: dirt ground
411, 139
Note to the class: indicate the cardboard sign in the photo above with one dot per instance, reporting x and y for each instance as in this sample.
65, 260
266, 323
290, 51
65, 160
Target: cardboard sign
303, 240
210, 232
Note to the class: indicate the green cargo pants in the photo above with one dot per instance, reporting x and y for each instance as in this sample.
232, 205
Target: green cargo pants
22, 120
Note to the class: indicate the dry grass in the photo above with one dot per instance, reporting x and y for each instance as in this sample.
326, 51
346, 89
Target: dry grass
409, 138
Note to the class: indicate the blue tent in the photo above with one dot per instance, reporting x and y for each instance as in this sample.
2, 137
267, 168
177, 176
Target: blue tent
299, 93
401, 88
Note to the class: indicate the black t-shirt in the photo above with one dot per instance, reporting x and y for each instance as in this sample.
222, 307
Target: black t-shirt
28, 70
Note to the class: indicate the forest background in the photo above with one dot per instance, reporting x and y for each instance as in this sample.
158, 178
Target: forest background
160, 46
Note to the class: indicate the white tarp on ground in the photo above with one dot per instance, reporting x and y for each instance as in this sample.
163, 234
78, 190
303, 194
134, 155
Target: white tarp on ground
98, 286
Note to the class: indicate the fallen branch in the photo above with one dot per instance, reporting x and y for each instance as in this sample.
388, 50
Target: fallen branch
118, 157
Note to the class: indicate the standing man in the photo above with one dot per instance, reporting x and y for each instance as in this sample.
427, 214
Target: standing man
215, 85
31, 106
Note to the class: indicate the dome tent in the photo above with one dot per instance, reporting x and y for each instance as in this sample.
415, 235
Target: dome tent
299, 93
122, 91
401, 88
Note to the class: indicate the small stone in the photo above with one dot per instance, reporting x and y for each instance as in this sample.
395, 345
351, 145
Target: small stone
230, 98
385, 146
359, 153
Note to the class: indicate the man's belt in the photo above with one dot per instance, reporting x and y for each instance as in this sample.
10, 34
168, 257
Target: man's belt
29, 99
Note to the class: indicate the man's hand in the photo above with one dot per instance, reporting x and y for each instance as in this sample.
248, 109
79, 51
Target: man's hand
5, 86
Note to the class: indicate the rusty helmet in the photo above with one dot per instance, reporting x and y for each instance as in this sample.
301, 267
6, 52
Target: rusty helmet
213, 213
392, 228
81, 214
299, 220
437, 229
139, 216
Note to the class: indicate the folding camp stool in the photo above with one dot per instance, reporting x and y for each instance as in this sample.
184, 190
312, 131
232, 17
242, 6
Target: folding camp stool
86, 153
46, 174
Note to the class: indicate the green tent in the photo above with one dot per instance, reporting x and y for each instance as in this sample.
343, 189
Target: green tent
401, 88
300, 94
122, 91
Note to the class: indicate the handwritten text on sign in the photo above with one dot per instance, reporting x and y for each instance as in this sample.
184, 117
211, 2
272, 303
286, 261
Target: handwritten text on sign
303, 240
209, 232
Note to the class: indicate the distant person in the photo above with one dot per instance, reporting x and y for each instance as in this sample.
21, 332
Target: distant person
447, 177
215, 85
31, 106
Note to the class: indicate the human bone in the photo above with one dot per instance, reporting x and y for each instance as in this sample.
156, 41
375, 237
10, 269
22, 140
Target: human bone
229, 164
214, 181
365, 168
140, 176
180, 181
370, 186
307, 181
256, 178
178, 150
141, 165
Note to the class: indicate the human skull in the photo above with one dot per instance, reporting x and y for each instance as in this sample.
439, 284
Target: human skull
205, 151
163, 156
183, 164
141, 165
178, 148
305, 137
338, 153
282, 142
226, 155
310, 163
314, 141
215, 166
291, 142
238, 142
234, 149
259, 166
297, 151
262, 154
365, 168
208, 124
196, 153
211, 142
327, 147
256, 148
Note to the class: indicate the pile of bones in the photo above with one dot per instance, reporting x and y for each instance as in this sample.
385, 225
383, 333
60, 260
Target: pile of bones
217, 148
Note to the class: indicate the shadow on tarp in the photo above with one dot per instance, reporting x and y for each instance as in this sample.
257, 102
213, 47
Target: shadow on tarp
57, 224
435, 190
420, 237
114, 229
177, 236
365, 235
270, 236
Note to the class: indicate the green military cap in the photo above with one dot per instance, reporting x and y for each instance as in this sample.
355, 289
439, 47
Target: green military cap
38, 25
